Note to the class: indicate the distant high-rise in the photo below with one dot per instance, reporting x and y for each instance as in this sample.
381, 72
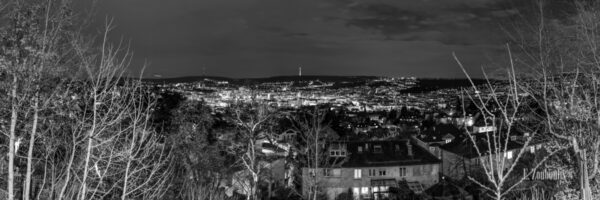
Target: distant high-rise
300, 71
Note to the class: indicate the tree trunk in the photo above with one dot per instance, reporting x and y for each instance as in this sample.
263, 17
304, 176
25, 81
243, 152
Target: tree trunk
89, 145
86, 167
586, 193
27, 189
68, 171
43, 185
11, 145
126, 178
316, 191
254, 190
270, 195
316, 163
128, 166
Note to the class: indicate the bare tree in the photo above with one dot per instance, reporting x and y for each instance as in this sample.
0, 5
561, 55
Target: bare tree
201, 167
33, 34
253, 123
120, 152
311, 146
98, 142
562, 62
501, 108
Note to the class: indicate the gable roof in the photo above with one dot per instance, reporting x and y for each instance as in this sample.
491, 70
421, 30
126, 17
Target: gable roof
439, 133
392, 153
463, 146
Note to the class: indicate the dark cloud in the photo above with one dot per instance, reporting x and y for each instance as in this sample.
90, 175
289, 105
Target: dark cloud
457, 24
246, 38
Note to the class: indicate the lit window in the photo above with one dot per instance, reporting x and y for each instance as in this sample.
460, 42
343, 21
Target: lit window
532, 149
355, 192
357, 173
384, 188
364, 191
402, 172
360, 149
508, 155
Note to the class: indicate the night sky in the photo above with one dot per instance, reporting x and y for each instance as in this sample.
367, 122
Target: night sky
260, 38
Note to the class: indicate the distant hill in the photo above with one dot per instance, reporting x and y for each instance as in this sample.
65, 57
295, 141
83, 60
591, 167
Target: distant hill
429, 84
188, 79
314, 78
185, 79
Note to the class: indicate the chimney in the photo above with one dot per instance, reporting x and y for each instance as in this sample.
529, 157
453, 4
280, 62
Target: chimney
409, 148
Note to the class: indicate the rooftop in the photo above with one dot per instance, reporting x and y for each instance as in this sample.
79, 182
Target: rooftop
385, 153
463, 146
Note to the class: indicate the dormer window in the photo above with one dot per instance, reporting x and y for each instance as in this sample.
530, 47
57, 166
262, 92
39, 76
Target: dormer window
337, 150
377, 149
337, 153
432, 149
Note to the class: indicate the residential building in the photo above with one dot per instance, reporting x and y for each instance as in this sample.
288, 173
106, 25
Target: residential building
373, 169
461, 158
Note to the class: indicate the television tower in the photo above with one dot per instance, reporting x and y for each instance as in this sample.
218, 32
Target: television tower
299, 71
